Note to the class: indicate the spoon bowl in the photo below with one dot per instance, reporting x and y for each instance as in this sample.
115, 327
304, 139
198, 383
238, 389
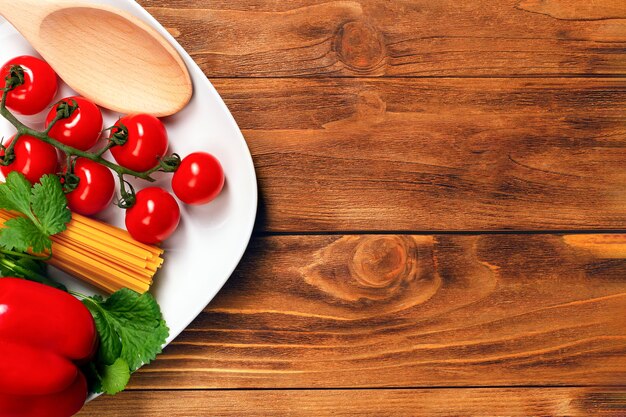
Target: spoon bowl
105, 54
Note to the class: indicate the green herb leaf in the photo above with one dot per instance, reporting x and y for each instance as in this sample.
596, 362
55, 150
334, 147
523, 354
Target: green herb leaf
50, 205
21, 233
15, 193
110, 379
44, 207
130, 326
110, 343
131, 330
114, 378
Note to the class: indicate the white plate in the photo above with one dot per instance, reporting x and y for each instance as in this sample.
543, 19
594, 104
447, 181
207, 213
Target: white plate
211, 239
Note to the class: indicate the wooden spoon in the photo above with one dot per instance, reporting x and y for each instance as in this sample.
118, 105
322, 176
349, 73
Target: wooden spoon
105, 54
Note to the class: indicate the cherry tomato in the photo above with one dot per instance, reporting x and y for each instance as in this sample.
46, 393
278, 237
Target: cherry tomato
154, 217
95, 190
39, 87
82, 129
198, 179
33, 158
146, 143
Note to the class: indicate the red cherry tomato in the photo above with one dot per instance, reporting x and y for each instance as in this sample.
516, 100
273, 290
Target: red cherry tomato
95, 189
39, 87
154, 217
198, 179
82, 129
146, 144
33, 158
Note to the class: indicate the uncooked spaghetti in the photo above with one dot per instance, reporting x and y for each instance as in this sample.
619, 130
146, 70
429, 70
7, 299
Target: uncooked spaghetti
102, 255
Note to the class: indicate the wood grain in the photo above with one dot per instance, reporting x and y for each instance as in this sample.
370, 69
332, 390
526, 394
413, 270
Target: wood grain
267, 38
409, 311
510, 402
513, 141
435, 155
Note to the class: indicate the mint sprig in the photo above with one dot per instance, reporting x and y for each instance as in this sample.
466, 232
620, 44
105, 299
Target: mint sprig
132, 332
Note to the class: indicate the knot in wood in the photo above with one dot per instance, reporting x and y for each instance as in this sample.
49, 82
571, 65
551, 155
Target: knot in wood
371, 272
378, 262
359, 46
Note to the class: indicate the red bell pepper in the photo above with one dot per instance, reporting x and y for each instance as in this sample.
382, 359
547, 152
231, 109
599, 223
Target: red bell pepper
44, 333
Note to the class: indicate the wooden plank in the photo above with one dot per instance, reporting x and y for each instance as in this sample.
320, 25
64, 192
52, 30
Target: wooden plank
409, 311
435, 155
511, 402
268, 38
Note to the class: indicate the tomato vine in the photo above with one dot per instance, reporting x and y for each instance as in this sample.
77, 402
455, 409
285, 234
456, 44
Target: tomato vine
63, 110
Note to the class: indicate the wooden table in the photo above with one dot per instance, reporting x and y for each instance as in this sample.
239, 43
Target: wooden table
443, 184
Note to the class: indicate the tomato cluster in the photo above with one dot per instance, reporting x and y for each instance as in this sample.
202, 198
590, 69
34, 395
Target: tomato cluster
138, 143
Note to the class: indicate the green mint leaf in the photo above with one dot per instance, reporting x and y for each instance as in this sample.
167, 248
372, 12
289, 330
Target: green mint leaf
21, 233
132, 320
131, 330
15, 193
110, 344
114, 378
110, 379
50, 205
